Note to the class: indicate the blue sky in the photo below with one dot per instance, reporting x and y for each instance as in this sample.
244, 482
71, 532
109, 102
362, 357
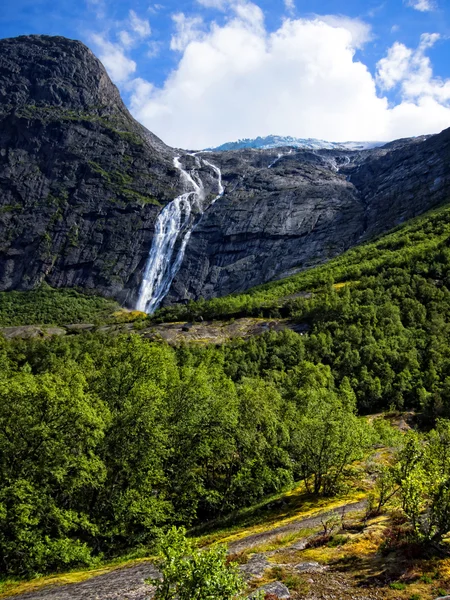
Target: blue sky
203, 72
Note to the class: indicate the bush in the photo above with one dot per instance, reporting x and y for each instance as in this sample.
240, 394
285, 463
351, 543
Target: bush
192, 574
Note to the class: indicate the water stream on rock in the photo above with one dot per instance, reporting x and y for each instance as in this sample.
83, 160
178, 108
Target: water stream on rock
174, 222
279, 157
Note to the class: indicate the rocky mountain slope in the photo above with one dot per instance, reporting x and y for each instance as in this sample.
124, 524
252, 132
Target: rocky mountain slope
82, 183
286, 211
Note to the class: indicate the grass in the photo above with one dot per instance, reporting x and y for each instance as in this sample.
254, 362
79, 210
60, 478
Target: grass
48, 306
247, 522
298, 505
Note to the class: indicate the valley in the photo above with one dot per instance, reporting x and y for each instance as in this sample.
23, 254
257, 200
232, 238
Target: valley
228, 367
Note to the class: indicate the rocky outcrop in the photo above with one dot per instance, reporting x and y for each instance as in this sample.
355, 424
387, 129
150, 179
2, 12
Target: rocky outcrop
305, 209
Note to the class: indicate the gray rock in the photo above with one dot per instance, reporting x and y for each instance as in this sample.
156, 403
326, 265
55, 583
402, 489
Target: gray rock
28, 332
274, 222
81, 182
255, 567
309, 567
276, 588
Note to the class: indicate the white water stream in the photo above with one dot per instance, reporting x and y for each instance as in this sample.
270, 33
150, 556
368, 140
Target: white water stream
174, 222
279, 157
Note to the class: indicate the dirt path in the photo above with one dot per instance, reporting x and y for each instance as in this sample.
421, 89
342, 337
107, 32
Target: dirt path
308, 523
128, 583
123, 584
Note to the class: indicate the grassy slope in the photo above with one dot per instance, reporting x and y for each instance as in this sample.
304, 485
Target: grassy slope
47, 306
411, 241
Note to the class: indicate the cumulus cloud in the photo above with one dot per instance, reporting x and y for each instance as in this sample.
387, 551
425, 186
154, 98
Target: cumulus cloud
422, 5
361, 32
187, 30
119, 66
239, 80
412, 71
113, 54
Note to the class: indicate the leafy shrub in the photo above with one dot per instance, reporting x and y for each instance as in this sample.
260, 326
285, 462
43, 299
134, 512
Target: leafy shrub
191, 574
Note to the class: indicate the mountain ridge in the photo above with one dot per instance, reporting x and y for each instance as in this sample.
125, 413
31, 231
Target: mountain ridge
280, 141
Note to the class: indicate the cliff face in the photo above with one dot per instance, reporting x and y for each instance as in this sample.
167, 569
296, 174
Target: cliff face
82, 183
306, 208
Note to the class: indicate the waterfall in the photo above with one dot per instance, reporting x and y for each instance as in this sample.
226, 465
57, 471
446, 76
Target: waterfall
174, 223
279, 157
218, 172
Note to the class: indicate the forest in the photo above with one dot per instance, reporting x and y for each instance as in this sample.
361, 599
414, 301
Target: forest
105, 440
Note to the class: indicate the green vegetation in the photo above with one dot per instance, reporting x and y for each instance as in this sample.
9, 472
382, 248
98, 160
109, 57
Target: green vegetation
46, 306
419, 247
420, 480
105, 441
192, 574
119, 182
49, 114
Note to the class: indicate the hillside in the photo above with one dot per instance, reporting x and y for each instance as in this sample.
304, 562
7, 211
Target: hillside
113, 437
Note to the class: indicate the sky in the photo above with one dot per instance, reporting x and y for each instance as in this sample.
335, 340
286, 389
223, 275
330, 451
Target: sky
199, 73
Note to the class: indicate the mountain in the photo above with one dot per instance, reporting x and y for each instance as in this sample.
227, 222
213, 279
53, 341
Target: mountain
84, 187
282, 215
81, 182
279, 141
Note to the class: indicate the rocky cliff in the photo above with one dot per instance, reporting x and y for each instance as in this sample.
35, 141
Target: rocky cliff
276, 218
82, 183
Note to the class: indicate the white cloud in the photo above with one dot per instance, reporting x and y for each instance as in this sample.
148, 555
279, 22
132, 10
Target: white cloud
218, 4
289, 5
119, 66
113, 55
361, 32
249, 13
154, 49
126, 39
141, 27
394, 67
187, 30
239, 80
412, 71
422, 5
136, 30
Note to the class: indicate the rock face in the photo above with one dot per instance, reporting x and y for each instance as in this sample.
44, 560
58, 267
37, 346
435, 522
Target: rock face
81, 182
306, 208
81, 185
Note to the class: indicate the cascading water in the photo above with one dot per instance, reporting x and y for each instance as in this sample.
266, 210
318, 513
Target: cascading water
218, 172
174, 222
279, 157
